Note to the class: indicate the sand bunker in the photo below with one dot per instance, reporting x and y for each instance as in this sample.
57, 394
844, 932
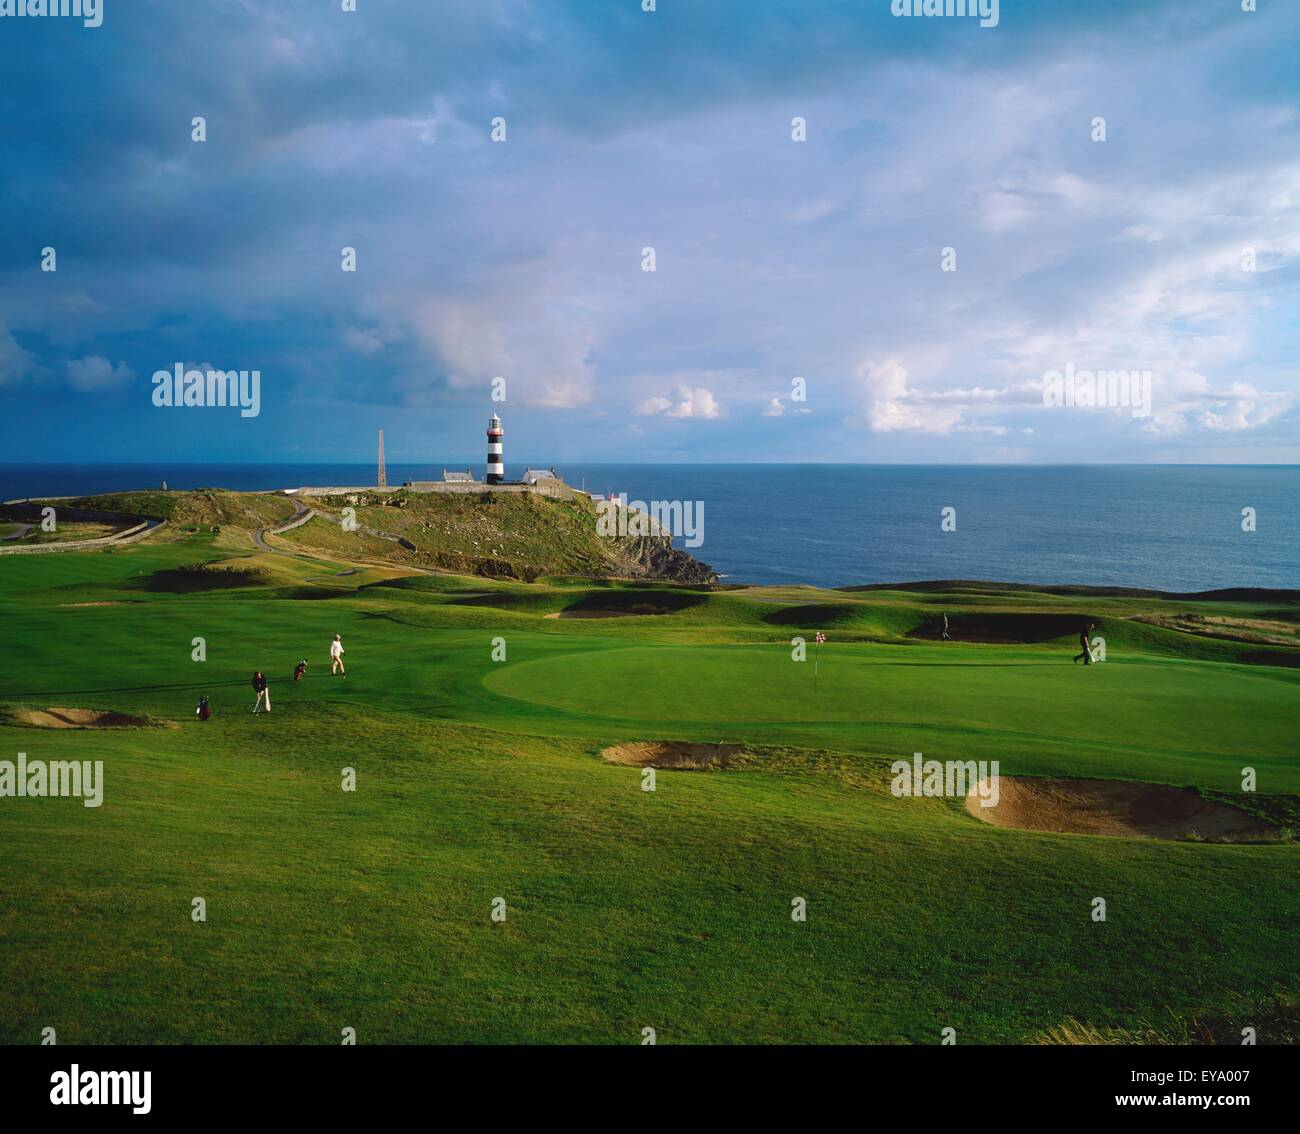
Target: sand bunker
1112, 807
672, 754
81, 718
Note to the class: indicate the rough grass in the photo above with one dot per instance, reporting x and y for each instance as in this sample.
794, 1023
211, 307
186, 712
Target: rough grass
203, 508
508, 535
66, 532
1277, 1018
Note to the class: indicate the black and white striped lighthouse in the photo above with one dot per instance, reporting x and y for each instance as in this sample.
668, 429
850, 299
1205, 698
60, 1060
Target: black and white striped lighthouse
496, 469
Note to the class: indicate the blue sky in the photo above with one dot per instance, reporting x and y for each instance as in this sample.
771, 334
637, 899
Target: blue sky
671, 129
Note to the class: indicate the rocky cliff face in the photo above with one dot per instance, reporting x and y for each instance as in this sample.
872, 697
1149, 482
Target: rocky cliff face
654, 557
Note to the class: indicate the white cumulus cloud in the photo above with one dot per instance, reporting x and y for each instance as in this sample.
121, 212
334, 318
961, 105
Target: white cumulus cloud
94, 372
692, 402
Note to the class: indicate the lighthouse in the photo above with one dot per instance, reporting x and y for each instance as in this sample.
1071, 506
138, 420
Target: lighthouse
496, 470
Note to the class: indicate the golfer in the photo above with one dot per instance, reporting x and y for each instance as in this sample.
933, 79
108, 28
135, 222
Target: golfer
336, 656
1085, 655
263, 692
946, 636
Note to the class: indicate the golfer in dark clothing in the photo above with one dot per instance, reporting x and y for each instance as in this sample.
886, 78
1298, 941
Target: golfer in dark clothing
1086, 655
263, 693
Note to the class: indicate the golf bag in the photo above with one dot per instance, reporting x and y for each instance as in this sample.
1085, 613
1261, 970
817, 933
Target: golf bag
203, 712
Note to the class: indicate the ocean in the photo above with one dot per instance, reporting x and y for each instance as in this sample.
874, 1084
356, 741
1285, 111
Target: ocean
1163, 527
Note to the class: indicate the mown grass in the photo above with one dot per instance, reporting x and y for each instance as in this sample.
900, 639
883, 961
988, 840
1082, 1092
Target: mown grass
479, 779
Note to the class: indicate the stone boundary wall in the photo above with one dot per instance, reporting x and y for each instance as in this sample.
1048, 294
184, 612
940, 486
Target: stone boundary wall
130, 535
558, 490
295, 521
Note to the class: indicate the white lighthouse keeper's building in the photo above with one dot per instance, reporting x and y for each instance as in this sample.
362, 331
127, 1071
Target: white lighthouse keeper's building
496, 469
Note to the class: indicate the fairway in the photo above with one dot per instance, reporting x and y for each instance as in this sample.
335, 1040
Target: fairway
474, 725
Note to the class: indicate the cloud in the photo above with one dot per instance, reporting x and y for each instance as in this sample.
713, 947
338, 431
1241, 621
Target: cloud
817, 210
520, 260
890, 404
543, 356
1243, 407
365, 340
1186, 402
95, 372
692, 402
14, 361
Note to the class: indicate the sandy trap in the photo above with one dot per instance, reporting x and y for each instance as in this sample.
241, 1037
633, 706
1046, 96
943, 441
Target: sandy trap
673, 754
1112, 807
82, 718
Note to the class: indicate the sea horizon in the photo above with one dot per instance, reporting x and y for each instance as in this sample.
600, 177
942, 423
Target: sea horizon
1177, 528
478, 458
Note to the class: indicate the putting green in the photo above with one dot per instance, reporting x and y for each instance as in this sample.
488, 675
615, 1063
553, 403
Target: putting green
1024, 706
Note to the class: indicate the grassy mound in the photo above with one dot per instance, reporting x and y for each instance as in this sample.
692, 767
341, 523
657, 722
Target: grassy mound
1006, 627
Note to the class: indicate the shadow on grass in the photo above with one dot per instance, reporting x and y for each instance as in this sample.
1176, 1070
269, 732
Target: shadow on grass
815, 615
637, 602
189, 579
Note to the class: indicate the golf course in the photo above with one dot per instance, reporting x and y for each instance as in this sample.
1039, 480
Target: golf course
499, 871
